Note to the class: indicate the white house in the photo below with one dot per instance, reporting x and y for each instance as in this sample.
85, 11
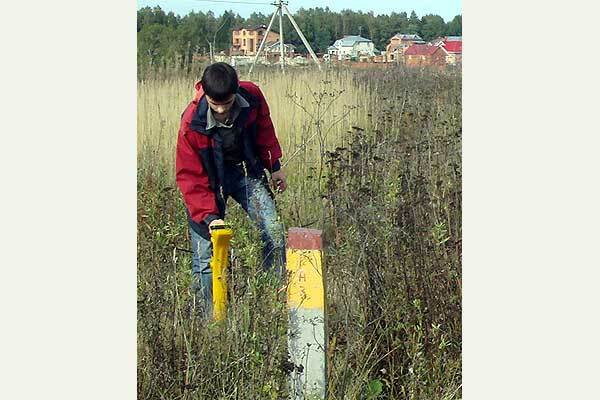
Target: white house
351, 46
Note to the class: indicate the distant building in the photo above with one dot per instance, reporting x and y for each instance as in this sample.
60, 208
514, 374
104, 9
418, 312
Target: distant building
246, 41
274, 48
454, 50
439, 40
272, 53
453, 47
379, 57
351, 47
422, 55
398, 43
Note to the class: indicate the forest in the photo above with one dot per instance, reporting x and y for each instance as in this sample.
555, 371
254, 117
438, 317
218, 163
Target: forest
165, 38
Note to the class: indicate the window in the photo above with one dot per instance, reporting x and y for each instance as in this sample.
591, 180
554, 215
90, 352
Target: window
244, 42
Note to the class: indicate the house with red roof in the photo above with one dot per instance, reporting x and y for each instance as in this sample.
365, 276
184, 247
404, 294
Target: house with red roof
398, 43
423, 55
452, 45
454, 50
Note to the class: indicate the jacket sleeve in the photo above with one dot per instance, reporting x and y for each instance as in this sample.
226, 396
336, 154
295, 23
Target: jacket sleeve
267, 144
192, 180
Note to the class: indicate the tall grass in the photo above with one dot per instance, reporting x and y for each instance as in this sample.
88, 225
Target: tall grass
373, 159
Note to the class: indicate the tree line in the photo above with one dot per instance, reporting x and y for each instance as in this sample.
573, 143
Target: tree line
166, 39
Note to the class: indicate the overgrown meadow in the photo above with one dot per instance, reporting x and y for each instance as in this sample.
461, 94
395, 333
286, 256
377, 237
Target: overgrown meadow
373, 158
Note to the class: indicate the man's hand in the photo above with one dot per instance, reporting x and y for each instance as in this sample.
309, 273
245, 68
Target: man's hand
214, 223
278, 181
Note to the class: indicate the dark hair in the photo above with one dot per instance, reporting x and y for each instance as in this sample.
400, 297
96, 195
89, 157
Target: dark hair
220, 81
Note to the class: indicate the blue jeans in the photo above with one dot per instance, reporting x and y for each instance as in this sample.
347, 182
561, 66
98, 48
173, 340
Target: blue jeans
254, 197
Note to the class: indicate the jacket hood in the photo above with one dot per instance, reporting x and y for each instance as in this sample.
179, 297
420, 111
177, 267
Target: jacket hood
199, 91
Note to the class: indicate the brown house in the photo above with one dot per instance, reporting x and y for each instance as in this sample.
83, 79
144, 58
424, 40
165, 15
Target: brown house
398, 44
424, 55
246, 41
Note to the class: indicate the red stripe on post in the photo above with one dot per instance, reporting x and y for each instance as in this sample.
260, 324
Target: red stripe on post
304, 239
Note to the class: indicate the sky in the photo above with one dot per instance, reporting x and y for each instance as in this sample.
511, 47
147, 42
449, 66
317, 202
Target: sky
447, 9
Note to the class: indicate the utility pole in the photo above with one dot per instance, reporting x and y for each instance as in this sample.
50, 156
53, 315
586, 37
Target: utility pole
280, 9
281, 46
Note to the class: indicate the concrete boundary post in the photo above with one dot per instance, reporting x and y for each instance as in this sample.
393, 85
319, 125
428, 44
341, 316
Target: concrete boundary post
307, 338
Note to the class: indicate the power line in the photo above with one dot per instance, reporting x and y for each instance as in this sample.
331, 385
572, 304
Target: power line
234, 2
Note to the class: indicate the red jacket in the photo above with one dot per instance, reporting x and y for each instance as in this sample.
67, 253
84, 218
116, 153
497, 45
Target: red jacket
199, 158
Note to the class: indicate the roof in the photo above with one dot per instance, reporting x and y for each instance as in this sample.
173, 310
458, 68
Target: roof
453, 46
407, 36
420, 50
252, 28
275, 44
454, 38
351, 40
248, 28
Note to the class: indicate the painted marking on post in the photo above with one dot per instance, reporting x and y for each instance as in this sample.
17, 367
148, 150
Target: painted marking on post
306, 302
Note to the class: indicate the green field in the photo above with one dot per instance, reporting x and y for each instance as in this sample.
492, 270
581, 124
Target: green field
373, 159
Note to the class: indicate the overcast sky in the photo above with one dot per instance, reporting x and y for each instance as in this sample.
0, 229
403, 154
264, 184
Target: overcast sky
447, 9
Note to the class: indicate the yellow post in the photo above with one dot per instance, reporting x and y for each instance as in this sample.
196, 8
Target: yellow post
220, 237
